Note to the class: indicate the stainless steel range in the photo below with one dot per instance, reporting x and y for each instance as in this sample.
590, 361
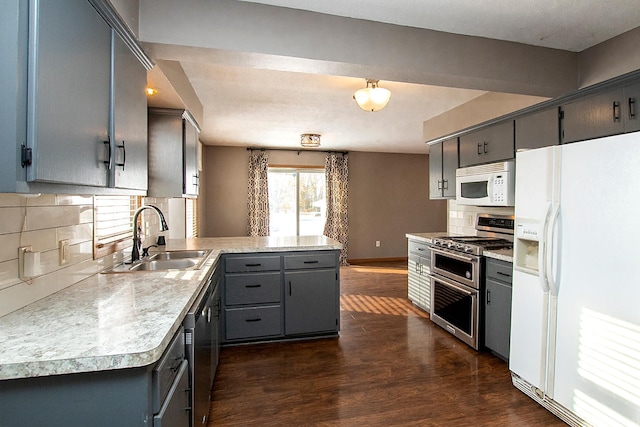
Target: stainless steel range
457, 276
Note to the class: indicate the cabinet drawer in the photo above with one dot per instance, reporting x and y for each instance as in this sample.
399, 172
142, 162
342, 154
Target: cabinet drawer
310, 260
499, 270
174, 411
252, 288
252, 322
166, 369
420, 248
244, 264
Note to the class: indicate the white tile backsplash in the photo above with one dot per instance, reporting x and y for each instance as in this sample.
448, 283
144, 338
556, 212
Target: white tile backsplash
462, 218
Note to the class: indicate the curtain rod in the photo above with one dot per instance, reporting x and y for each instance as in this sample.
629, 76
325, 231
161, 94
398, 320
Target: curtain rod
296, 149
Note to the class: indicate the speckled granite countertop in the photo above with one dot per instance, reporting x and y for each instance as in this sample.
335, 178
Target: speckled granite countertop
114, 321
501, 254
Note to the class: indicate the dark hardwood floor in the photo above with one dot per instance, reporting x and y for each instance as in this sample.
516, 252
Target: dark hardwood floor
390, 366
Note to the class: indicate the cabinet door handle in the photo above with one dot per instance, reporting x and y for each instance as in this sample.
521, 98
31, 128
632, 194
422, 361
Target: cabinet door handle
253, 265
484, 147
255, 319
253, 286
124, 155
445, 184
616, 111
632, 108
109, 159
479, 148
289, 287
311, 262
503, 274
488, 296
440, 184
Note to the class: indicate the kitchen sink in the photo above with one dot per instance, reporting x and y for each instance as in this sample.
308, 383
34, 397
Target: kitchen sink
169, 260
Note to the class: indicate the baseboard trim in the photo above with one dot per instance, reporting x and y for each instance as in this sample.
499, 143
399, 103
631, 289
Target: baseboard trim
372, 260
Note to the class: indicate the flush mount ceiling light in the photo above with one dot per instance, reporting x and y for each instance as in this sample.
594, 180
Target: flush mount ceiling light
310, 140
151, 91
372, 98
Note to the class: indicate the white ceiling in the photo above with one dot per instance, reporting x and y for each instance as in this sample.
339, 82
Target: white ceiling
250, 106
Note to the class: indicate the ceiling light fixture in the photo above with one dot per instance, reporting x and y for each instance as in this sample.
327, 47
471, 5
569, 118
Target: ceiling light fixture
151, 91
310, 140
372, 98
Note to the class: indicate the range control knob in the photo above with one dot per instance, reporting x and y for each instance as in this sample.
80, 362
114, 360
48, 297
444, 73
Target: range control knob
468, 249
460, 247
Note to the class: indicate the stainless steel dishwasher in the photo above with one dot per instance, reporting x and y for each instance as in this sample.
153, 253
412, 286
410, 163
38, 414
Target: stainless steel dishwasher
197, 328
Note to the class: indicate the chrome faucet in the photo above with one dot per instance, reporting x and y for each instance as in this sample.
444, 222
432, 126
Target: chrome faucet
137, 243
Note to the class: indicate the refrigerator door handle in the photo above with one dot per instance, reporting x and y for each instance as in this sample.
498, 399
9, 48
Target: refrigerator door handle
542, 252
550, 258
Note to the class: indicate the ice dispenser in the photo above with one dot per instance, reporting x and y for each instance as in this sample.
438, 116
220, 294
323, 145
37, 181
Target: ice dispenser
527, 246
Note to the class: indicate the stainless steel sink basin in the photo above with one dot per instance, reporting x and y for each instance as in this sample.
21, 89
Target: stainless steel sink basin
169, 260
169, 264
176, 255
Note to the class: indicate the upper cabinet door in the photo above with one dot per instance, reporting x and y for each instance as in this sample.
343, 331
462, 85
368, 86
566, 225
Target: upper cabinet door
191, 176
631, 108
435, 171
449, 166
537, 130
593, 117
487, 145
130, 118
68, 96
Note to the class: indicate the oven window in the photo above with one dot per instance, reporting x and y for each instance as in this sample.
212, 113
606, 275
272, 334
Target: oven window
474, 190
459, 268
453, 306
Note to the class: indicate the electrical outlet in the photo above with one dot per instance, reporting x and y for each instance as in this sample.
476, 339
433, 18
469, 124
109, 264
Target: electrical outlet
63, 252
377, 243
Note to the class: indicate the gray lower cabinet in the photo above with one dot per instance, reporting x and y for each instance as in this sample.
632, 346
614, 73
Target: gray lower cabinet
497, 299
419, 269
154, 395
491, 144
280, 296
536, 130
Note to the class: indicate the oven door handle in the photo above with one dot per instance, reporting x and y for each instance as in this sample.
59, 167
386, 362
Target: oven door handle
453, 285
455, 255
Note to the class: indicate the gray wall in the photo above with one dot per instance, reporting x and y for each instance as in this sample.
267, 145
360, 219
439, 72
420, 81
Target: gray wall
388, 197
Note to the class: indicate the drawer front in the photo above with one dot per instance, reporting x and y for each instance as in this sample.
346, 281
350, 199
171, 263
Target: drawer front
166, 369
175, 410
499, 270
253, 322
252, 288
310, 260
245, 264
420, 248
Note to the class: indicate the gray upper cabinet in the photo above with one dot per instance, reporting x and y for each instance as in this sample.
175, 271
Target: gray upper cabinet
491, 144
68, 95
130, 118
75, 92
173, 142
537, 130
443, 162
593, 116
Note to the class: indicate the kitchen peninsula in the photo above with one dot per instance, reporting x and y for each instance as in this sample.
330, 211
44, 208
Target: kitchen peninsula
95, 334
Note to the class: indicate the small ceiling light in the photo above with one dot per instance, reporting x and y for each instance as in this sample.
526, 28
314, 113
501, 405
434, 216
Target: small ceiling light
310, 140
151, 91
372, 98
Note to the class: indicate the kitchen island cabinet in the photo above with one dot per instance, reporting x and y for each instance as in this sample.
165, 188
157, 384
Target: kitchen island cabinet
419, 269
280, 296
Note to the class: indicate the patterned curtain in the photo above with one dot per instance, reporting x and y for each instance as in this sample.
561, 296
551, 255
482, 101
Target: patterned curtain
337, 224
258, 195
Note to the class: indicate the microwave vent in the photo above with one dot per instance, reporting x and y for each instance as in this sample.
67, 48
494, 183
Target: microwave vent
488, 168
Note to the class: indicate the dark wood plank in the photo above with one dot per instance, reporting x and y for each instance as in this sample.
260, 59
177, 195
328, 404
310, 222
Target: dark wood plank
390, 366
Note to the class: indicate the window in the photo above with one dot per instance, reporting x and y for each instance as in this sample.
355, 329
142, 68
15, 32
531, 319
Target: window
112, 229
296, 201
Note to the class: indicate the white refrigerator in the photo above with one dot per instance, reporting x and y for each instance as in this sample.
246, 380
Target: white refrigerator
575, 323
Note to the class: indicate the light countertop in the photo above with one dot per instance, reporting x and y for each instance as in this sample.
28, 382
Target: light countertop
115, 321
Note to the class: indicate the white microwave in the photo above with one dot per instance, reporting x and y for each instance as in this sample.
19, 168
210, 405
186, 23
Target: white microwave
486, 185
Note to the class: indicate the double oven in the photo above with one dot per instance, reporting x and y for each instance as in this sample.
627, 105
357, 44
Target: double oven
457, 277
